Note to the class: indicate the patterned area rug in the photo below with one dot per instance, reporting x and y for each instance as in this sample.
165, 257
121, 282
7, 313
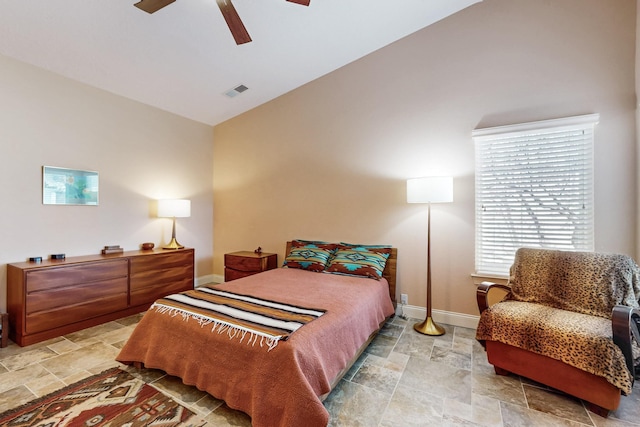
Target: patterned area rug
113, 398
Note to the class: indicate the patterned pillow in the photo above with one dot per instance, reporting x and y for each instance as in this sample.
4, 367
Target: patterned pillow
357, 245
315, 244
311, 258
359, 261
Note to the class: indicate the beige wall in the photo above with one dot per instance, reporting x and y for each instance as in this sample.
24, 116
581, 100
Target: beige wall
141, 153
330, 159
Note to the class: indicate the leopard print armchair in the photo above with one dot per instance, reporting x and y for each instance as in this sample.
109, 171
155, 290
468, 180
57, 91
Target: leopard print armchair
569, 320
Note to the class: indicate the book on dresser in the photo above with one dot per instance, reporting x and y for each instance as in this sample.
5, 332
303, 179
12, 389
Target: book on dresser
56, 297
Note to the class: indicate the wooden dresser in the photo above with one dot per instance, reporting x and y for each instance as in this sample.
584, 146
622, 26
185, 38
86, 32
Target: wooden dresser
245, 263
57, 297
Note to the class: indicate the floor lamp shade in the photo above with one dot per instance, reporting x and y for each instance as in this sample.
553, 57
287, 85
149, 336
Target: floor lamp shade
432, 189
174, 208
437, 189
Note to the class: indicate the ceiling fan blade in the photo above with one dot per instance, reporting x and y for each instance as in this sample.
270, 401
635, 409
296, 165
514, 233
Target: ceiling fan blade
151, 6
302, 2
234, 23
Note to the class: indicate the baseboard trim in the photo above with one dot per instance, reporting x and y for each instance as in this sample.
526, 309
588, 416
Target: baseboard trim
203, 280
218, 278
440, 316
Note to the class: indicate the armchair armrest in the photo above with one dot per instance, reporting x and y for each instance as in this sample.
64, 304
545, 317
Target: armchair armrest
482, 293
625, 322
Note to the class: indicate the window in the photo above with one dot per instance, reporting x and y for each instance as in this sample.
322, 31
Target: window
534, 188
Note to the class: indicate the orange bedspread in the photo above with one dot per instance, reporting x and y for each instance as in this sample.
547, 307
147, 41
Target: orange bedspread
280, 387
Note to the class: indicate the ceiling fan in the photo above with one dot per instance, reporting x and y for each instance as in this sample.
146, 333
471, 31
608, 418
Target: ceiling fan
234, 22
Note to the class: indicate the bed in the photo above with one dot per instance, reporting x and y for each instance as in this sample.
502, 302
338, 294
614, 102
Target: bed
278, 381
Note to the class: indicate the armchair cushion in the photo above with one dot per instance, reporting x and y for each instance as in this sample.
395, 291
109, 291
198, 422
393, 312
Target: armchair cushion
577, 339
583, 282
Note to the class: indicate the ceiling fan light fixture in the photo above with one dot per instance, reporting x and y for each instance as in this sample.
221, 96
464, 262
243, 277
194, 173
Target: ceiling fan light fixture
237, 28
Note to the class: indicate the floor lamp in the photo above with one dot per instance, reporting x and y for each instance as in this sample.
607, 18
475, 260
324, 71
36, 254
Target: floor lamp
174, 208
429, 190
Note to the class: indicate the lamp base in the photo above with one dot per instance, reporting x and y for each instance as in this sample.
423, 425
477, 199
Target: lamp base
429, 327
173, 244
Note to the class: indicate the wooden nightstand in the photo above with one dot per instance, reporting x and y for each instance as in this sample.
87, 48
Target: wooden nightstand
245, 263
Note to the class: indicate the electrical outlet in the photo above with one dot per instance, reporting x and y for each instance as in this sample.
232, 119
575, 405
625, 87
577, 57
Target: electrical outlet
404, 299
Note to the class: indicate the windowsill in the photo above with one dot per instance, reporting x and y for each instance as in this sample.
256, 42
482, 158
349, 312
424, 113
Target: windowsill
479, 278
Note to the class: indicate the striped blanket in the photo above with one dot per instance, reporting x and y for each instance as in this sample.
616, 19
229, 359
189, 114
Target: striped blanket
242, 317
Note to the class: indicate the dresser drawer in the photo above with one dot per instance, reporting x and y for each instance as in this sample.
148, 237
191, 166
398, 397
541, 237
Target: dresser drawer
64, 316
159, 275
230, 274
61, 297
157, 262
150, 279
250, 261
149, 294
64, 306
50, 278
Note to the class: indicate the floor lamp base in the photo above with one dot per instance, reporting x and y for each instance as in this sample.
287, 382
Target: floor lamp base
429, 327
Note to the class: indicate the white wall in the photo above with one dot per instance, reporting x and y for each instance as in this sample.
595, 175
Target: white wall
141, 153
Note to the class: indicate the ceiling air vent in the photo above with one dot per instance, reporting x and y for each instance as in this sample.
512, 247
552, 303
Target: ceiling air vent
236, 91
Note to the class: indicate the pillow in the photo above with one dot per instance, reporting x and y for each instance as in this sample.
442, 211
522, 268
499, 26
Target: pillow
359, 261
311, 258
315, 244
357, 245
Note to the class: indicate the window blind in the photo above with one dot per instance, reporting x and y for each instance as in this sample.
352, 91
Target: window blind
534, 188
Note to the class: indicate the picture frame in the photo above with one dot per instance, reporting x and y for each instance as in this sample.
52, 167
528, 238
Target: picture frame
63, 186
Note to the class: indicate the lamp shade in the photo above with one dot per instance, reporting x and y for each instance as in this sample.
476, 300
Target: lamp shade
174, 208
431, 189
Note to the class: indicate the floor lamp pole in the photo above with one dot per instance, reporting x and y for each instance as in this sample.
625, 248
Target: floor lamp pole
429, 327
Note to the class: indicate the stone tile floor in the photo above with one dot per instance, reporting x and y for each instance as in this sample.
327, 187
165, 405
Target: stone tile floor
403, 379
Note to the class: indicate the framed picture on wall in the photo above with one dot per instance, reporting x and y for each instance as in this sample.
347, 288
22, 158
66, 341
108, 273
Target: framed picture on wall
62, 186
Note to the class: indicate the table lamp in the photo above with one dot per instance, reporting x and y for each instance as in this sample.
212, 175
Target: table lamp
174, 208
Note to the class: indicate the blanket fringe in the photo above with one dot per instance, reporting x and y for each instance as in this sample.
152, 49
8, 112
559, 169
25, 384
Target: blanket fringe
232, 331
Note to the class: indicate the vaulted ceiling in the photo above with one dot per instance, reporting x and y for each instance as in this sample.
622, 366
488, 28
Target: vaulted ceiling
183, 58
